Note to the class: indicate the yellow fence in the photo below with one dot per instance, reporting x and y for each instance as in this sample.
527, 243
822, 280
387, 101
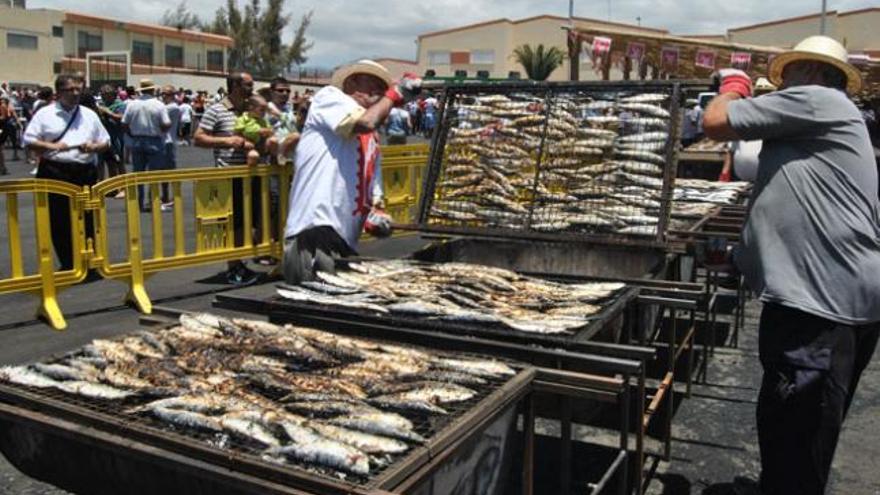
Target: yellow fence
202, 232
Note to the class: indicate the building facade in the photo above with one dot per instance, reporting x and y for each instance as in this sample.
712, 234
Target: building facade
37, 44
856, 29
487, 48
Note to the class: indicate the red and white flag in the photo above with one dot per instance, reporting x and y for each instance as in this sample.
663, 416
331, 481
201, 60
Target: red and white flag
740, 60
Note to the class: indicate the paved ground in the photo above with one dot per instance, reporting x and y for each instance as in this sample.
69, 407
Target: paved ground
714, 431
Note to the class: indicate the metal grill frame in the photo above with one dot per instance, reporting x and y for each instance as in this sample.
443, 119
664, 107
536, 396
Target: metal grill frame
451, 93
91, 413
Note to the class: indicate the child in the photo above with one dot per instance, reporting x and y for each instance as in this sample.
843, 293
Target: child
252, 125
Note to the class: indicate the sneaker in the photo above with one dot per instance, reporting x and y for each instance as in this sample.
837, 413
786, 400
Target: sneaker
120, 194
167, 206
33, 171
241, 276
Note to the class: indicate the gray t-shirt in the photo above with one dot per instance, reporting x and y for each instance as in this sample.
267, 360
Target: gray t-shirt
812, 240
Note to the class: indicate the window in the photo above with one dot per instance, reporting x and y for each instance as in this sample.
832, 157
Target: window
87, 42
58, 31
215, 60
483, 57
142, 52
173, 56
438, 58
21, 41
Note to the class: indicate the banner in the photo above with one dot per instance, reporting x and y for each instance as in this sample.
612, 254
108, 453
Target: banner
740, 60
705, 59
600, 47
669, 58
635, 51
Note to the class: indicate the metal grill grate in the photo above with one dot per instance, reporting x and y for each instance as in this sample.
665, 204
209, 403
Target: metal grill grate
428, 426
585, 161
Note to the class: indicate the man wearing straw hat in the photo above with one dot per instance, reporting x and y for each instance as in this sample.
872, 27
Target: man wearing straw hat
146, 120
811, 251
337, 188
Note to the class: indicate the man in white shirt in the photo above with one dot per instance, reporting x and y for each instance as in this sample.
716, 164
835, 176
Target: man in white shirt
338, 180
169, 98
67, 136
147, 121
186, 116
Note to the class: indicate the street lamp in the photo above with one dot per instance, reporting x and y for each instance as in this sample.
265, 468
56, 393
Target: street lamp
822, 22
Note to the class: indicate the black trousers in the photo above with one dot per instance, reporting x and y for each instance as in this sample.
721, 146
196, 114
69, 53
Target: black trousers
59, 206
811, 369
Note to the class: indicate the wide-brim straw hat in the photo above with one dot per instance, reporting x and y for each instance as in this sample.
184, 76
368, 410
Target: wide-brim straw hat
763, 85
361, 67
146, 85
818, 49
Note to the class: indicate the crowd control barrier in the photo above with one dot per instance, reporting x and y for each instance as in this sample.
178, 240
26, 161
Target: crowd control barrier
201, 231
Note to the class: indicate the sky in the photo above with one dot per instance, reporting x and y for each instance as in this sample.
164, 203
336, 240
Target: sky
347, 30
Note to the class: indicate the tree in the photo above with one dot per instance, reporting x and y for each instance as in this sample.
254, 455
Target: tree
180, 17
257, 35
538, 62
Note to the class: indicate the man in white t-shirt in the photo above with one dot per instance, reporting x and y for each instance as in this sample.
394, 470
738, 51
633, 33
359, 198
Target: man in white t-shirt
338, 181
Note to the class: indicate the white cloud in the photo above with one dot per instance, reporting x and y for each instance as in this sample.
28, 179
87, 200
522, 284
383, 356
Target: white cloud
346, 30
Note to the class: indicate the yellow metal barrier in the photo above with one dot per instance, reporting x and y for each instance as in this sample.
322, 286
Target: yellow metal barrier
208, 222
395, 150
212, 226
45, 282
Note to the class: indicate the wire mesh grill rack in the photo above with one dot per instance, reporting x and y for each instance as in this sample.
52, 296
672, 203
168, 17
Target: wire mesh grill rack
120, 414
557, 161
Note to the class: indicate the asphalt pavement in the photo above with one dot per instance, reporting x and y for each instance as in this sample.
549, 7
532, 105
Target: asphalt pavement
714, 445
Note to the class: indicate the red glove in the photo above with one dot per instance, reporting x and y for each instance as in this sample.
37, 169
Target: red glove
378, 223
725, 176
404, 90
735, 81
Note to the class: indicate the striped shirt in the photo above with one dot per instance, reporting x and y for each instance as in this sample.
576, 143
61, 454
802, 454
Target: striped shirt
218, 120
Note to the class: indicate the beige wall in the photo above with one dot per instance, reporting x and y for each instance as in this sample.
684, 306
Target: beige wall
860, 31
194, 52
786, 34
398, 67
29, 66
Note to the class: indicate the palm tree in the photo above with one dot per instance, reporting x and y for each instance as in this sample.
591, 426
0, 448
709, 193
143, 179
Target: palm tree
538, 62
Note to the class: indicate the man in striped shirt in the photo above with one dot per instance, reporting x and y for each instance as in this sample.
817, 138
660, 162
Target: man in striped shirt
215, 131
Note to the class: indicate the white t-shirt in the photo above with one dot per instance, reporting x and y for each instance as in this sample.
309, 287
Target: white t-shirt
327, 184
146, 116
49, 123
185, 113
745, 159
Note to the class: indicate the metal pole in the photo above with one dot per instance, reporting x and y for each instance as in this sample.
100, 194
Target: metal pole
822, 22
570, 10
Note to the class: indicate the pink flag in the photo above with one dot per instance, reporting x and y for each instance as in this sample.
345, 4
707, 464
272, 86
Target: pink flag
740, 60
705, 59
635, 51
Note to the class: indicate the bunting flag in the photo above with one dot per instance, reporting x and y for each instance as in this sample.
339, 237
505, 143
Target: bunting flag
705, 59
669, 58
740, 60
601, 46
635, 51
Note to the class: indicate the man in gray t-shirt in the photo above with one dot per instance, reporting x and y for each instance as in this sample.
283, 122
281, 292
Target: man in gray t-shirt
810, 250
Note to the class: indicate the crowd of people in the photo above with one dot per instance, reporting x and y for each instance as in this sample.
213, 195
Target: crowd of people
18, 106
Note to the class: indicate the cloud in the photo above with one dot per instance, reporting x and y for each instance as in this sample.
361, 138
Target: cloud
347, 30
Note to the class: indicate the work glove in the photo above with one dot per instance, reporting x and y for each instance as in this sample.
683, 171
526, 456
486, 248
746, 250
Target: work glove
378, 223
734, 81
405, 90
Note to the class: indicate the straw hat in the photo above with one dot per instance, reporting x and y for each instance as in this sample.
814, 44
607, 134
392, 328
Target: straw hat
146, 85
361, 67
818, 49
763, 85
